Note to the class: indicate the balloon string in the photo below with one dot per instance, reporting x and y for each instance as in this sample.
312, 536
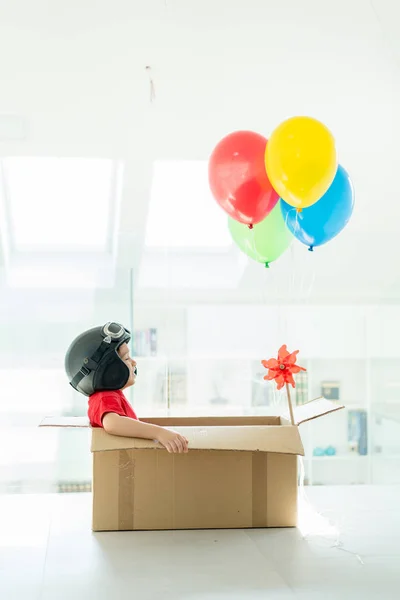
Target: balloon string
292, 289
311, 284
302, 295
254, 246
151, 83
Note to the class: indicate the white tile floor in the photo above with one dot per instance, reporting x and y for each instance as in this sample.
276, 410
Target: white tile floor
350, 551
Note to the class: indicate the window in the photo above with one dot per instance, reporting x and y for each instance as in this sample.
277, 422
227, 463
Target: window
59, 204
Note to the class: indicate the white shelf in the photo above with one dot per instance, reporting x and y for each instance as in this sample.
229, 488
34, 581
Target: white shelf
389, 411
353, 406
386, 457
352, 457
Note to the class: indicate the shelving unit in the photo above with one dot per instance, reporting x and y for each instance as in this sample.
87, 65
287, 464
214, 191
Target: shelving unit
345, 466
385, 417
235, 386
219, 348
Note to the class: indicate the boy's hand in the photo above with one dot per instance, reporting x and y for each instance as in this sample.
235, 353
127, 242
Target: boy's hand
172, 441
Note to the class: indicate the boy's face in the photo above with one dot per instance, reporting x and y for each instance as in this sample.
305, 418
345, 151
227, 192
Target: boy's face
124, 354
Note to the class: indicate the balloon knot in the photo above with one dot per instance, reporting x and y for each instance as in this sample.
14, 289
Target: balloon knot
311, 249
299, 210
267, 265
251, 226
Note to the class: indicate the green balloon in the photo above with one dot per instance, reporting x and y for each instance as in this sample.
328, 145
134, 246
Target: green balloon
266, 241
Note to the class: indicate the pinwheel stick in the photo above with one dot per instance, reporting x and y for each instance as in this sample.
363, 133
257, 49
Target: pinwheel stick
289, 398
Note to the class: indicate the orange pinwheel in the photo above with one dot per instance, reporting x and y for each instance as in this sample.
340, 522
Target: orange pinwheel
283, 368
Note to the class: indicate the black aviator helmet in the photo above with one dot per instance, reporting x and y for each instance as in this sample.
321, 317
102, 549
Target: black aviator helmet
92, 362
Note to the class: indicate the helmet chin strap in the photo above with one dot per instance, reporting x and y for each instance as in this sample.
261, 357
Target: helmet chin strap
90, 363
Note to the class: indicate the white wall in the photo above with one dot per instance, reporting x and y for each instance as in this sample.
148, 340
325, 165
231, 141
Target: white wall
317, 331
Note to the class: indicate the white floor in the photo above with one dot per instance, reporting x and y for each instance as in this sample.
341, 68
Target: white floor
350, 551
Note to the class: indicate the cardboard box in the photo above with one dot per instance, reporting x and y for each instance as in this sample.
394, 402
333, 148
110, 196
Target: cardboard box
240, 472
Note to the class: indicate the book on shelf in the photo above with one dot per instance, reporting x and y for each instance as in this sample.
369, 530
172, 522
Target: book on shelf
264, 392
219, 401
301, 389
145, 342
357, 431
330, 390
171, 388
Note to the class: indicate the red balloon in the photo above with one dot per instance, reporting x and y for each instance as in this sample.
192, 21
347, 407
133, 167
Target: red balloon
238, 179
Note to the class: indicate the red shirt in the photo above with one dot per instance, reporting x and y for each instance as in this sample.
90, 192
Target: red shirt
101, 403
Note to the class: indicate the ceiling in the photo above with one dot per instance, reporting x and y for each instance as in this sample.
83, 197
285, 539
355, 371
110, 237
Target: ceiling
153, 85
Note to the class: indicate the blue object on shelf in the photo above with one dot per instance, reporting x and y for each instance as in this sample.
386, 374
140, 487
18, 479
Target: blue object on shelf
330, 451
318, 452
357, 431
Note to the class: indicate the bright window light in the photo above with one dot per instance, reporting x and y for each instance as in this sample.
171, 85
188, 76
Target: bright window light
182, 212
35, 392
59, 203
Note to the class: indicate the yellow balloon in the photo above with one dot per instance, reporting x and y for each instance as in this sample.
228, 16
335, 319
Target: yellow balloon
301, 161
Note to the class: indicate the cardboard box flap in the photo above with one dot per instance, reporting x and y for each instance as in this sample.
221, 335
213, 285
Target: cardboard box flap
279, 439
315, 409
65, 422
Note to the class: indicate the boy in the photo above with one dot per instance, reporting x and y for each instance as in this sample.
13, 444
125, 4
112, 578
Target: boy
99, 365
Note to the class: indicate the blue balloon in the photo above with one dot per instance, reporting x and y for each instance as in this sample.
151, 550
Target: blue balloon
322, 221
